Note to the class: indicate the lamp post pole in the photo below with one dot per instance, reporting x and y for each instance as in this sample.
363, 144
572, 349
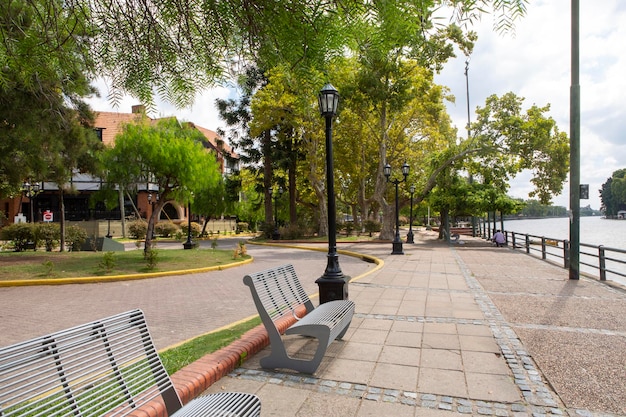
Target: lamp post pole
189, 243
152, 203
397, 242
574, 158
409, 236
30, 190
471, 177
333, 285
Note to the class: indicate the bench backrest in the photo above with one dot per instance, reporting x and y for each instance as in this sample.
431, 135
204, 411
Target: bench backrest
109, 366
277, 292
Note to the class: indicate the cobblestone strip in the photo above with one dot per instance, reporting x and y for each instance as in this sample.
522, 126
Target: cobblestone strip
571, 329
415, 399
541, 399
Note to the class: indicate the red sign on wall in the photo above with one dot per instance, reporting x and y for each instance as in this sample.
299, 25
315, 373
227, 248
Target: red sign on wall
47, 216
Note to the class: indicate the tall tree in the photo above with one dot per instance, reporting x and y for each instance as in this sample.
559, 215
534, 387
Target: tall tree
168, 154
507, 140
613, 193
255, 149
44, 67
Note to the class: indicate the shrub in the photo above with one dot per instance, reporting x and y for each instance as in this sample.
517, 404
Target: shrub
372, 226
166, 229
195, 229
349, 226
49, 267
292, 232
152, 258
19, 234
267, 229
75, 237
243, 251
49, 233
138, 229
108, 261
242, 227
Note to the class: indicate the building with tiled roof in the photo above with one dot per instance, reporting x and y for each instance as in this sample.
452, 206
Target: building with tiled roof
77, 208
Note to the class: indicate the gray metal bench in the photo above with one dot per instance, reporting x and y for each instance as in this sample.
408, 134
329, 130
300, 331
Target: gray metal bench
278, 294
106, 367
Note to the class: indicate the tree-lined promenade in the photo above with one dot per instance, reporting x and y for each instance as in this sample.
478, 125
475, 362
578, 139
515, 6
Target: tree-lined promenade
381, 56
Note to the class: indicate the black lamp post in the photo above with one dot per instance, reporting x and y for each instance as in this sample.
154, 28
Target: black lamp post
30, 191
397, 243
189, 243
152, 203
333, 285
409, 236
471, 177
276, 233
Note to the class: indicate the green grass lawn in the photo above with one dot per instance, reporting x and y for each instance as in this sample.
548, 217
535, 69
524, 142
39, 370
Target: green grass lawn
40, 265
181, 356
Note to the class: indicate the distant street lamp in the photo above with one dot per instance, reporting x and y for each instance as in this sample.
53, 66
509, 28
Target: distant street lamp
471, 177
189, 243
397, 243
409, 236
276, 233
30, 191
152, 203
333, 285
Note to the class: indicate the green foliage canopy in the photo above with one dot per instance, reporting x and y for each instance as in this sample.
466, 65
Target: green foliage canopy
168, 154
613, 193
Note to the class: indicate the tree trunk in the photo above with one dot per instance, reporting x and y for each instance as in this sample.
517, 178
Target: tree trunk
444, 225
154, 217
122, 211
267, 176
293, 214
387, 231
62, 219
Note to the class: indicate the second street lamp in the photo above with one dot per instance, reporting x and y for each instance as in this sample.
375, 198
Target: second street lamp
397, 243
31, 191
189, 243
409, 236
333, 285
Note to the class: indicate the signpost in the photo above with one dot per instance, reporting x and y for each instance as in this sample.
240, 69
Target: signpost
48, 216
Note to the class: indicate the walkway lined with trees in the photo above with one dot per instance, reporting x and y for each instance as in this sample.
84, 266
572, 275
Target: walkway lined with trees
382, 60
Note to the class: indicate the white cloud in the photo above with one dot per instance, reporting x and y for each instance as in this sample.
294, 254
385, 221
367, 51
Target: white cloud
535, 64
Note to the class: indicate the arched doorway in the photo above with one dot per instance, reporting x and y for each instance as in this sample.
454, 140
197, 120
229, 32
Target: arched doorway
170, 211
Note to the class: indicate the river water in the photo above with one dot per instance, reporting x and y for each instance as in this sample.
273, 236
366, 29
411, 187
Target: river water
594, 230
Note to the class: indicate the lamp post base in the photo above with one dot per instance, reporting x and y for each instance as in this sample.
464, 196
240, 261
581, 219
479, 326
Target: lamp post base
188, 245
409, 237
397, 248
331, 289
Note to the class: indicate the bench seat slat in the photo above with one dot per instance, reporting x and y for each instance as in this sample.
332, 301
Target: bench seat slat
106, 367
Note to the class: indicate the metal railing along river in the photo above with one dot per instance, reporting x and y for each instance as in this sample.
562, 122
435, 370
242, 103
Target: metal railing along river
597, 261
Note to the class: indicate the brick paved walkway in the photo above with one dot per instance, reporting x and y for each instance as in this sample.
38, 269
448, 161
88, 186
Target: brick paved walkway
440, 331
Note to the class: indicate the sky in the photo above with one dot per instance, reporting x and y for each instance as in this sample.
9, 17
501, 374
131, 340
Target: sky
534, 63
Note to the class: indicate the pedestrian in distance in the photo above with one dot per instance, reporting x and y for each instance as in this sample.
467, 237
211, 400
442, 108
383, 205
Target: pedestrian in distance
498, 238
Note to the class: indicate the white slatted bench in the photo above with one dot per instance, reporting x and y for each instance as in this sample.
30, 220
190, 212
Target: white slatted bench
108, 367
278, 294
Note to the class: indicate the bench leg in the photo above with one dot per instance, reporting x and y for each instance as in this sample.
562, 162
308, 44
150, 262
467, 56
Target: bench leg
279, 358
343, 332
